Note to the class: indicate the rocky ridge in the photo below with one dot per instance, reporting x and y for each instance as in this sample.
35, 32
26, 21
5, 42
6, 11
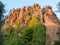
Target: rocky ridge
46, 16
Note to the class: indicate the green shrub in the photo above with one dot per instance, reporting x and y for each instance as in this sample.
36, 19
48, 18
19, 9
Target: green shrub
11, 36
26, 36
57, 42
39, 35
34, 35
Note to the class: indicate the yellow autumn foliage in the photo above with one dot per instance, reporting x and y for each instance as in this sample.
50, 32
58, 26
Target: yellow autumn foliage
17, 24
33, 21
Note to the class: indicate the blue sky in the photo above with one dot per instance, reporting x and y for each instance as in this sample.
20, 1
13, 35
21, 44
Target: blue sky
9, 4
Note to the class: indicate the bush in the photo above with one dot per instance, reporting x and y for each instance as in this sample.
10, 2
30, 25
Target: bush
39, 35
57, 42
26, 36
34, 35
11, 36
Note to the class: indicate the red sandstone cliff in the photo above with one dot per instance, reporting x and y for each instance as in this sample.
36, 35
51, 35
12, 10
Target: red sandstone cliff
46, 16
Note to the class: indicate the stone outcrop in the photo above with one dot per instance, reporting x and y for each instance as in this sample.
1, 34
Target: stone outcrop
46, 16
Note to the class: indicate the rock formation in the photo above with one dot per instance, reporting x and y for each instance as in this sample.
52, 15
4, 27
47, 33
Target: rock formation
46, 16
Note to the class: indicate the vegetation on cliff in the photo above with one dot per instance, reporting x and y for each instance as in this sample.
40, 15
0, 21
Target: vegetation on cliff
29, 25
33, 34
57, 42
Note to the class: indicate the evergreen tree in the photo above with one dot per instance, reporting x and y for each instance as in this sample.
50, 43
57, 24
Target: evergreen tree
1, 21
1, 13
58, 6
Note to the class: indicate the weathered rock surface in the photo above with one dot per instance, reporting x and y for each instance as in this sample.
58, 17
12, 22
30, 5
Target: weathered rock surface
46, 16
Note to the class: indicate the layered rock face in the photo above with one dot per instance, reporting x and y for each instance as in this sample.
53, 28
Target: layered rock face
46, 16
22, 14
